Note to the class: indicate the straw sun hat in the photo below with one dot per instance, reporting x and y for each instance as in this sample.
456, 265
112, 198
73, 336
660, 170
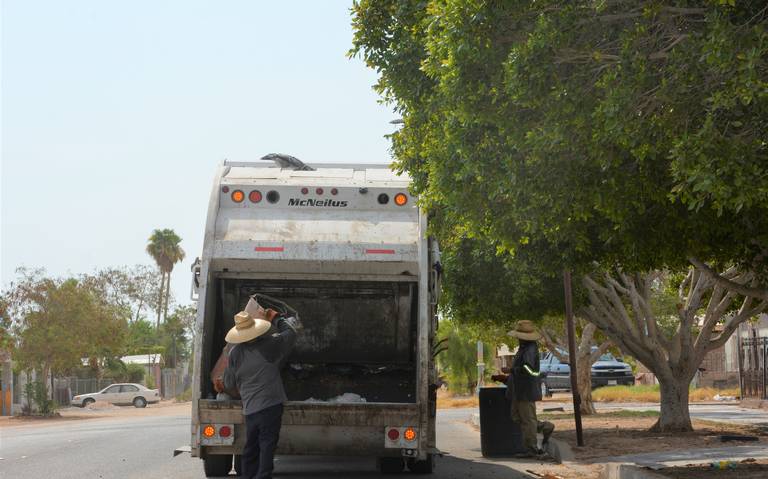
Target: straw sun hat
525, 330
249, 324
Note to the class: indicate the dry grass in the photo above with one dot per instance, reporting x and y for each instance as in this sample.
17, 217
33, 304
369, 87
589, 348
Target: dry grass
611, 435
651, 394
448, 402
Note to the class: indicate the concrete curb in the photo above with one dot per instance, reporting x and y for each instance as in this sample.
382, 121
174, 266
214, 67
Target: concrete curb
613, 470
560, 451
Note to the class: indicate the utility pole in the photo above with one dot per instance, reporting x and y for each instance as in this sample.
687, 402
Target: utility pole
572, 356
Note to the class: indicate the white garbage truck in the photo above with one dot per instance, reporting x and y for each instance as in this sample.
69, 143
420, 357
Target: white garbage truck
347, 247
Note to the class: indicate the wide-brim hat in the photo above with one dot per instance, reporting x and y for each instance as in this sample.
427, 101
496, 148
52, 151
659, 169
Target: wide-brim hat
525, 330
249, 324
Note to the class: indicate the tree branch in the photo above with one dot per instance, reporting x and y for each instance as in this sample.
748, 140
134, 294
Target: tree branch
759, 293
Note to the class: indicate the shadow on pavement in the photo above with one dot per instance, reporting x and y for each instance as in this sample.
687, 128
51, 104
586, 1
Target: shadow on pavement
448, 467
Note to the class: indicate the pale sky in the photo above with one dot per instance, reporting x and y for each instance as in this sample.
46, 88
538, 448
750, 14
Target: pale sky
115, 115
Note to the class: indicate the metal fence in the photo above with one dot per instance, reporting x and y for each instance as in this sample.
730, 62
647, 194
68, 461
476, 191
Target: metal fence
67, 388
174, 382
753, 360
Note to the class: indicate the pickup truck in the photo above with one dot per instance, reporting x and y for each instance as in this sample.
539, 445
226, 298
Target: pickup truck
607, 371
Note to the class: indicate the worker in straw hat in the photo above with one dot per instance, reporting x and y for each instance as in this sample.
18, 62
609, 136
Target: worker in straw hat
524, 388
262, 340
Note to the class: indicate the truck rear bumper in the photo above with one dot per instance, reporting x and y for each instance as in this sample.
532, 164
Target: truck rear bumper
319, 428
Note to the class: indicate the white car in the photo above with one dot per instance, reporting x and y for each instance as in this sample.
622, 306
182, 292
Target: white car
120, 394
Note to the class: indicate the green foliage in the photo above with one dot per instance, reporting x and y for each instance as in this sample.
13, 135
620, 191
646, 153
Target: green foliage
57, 322
134, 373
36, 392
123, 373
629, 133
459, 362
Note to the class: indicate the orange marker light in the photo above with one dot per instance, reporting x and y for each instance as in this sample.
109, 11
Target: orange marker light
238, 196
409, 434
401, 199
209, 431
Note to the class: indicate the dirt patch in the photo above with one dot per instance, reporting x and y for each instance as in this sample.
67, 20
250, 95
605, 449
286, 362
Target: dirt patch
610, 435
747, 469
95, 411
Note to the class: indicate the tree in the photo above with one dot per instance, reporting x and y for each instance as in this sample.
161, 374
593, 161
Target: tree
601, 135
459, 360
672, 342
132, 288
164, 248
589, 347
488, 288
59, 322
173, 332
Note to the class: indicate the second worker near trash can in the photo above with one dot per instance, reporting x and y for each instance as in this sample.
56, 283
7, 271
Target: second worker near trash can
524, 388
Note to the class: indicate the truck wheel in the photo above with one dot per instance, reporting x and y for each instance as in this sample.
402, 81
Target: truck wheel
391, 465
238, 465
217, 465
427, 466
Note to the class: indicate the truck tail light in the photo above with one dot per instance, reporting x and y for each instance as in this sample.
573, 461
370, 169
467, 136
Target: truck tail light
393, 434
409, 434
401, 199
225, 431
238, 196
254, 196
209, 431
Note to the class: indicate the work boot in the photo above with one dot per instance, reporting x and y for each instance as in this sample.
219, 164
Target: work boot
547, 428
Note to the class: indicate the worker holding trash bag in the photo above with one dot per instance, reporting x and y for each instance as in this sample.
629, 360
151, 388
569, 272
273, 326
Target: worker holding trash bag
262, 339
524, 388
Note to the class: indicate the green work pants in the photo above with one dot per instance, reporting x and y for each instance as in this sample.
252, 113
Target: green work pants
524, 414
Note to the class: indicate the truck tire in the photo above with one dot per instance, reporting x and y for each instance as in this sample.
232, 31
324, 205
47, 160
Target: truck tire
238, 465
427, 466
217, 465
391, 465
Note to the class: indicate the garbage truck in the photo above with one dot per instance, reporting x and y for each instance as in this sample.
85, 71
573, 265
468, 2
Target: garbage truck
347, 247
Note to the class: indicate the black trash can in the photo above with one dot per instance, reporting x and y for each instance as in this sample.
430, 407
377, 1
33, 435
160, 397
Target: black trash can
499, 436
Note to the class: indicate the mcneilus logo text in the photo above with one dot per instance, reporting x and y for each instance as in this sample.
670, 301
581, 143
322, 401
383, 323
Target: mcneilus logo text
321, 203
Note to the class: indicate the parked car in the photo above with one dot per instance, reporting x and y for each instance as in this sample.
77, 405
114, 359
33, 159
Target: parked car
607, 371
120, 394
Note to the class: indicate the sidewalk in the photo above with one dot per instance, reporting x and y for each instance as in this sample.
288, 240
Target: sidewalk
641, 466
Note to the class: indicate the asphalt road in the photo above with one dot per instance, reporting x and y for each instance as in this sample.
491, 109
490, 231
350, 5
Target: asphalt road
141, 448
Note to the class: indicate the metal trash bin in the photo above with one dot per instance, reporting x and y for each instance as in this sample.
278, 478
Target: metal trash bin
499, 436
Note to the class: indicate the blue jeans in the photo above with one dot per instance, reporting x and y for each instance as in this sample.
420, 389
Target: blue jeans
262, 433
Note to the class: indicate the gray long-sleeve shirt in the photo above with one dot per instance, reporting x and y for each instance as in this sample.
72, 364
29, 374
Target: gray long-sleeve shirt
254, 368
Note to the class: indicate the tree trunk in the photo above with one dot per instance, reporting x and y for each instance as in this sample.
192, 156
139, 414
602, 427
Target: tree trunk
160, 298
167, 295
675, 415
584, 383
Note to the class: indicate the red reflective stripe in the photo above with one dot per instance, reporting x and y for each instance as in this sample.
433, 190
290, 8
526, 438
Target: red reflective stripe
269, 249
379, 251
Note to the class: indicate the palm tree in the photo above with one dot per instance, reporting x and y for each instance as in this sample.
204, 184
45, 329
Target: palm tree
164, 248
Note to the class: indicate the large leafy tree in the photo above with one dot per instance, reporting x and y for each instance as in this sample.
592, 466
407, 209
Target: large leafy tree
58, 322
627, 134
488, 288
135, 289
164, 247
